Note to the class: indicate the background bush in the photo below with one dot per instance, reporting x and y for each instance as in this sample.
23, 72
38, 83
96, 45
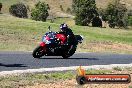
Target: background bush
40, 12
85, 11
18, 10
117, 14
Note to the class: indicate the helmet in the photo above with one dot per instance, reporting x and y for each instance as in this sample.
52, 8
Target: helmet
63, 27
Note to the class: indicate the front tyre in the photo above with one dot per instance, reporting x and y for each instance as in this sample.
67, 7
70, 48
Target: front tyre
38, 52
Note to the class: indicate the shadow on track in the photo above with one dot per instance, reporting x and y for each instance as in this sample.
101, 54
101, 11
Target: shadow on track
70, 58
12, 65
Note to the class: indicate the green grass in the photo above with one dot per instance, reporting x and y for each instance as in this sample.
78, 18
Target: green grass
115, 35
24, 34
130, 86
31, 79
118, 68
61, 20
21, 33
94, 71
22, 80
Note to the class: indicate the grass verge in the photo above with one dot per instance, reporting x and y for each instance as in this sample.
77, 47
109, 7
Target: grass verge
59, 79
24, 34
31, 79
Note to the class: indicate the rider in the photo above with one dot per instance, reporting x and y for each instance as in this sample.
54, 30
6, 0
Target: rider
68, 32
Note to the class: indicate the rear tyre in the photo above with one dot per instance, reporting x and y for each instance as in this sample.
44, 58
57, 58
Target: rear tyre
65, 56
71, 52
38, 52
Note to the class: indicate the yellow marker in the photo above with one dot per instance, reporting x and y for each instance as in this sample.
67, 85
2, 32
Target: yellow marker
81, 72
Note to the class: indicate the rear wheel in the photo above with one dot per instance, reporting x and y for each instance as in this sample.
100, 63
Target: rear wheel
65, 56
38, 52
70, 53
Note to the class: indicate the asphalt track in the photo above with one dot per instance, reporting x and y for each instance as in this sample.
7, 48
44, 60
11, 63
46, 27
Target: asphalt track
23, 60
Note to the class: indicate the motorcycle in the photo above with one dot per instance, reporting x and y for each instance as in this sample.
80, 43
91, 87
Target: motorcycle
54, 44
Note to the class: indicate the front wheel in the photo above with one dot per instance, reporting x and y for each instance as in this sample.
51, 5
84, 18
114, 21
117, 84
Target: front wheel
38, 52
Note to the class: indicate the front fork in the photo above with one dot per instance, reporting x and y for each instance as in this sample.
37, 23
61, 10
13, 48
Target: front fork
43, 45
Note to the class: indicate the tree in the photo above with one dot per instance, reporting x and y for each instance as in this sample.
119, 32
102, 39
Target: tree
117, 14
84, 11
40, 12
102, 13
18, 10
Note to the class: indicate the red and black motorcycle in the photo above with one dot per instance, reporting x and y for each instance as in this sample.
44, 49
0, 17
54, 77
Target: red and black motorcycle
54, 44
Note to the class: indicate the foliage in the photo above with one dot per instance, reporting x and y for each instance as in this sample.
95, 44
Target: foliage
129, 20
18, 10
130, 13
84, 11
40, 12
117, 68
102, 13
117, 14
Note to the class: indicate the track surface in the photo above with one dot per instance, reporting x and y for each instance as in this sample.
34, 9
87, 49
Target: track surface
23, 60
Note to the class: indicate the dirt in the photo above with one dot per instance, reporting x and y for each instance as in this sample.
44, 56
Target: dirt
72, 84
106, 47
